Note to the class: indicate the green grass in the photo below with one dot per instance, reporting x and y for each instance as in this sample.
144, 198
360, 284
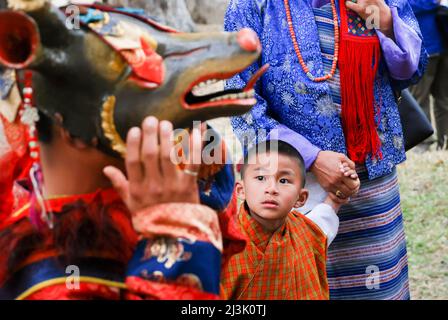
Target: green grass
424, 194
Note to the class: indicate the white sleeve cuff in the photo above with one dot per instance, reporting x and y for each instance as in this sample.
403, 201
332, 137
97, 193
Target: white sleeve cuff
326, 218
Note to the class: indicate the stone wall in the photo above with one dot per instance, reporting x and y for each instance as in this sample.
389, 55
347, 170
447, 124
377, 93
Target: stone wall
173, 13
207, 11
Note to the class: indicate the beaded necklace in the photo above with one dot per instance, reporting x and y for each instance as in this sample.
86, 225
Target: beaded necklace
297, 49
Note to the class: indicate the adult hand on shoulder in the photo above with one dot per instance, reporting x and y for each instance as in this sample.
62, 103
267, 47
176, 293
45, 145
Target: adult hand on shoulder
326, 168
152, 177
368, 8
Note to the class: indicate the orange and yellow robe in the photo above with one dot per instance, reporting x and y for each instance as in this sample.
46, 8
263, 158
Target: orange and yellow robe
286, 264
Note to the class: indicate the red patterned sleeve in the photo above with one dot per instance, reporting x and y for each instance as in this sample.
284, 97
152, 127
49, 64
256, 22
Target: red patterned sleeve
14, 164
179, 254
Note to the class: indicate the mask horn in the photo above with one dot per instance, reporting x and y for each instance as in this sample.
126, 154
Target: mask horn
19, 40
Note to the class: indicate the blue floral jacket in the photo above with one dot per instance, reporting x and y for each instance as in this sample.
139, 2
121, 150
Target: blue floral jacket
287, 99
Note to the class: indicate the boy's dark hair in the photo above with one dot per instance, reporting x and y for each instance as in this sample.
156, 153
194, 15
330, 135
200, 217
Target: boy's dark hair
280, 147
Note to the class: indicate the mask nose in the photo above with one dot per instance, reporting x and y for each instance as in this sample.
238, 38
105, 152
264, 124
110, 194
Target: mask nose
248, 40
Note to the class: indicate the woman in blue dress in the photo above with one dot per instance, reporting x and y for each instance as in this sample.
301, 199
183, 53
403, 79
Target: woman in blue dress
330, 92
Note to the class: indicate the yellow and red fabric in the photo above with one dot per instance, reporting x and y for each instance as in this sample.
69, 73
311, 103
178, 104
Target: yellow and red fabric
171, 251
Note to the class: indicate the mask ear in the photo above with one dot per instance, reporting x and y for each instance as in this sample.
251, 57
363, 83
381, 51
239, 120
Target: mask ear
303, 197
239, 189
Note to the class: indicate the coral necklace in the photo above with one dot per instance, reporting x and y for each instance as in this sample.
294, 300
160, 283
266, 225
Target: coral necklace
297, 49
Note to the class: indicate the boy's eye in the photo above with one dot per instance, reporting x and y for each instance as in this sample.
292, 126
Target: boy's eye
260, 178
284, 180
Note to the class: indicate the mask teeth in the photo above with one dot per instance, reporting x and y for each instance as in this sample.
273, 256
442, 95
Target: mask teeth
207, 87
236, 96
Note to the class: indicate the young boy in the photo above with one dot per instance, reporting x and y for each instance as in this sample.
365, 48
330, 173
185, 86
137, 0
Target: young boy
285, 254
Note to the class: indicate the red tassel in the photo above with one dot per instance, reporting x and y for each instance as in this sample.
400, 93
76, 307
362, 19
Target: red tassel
358, 65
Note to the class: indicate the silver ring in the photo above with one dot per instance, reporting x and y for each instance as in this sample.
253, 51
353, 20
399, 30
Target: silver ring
191, 173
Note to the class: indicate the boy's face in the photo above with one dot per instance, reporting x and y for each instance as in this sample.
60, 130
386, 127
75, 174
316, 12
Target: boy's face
272, 186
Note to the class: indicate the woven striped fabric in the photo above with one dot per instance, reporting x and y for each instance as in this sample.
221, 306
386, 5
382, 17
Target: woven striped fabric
367, 260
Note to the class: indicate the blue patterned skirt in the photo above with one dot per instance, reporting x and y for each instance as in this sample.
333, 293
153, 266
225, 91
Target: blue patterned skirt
368, 259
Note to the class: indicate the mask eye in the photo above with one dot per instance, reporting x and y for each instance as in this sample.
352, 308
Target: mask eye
260, 178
